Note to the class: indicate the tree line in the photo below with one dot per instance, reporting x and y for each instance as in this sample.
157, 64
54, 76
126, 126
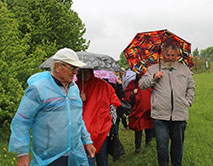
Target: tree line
202, 59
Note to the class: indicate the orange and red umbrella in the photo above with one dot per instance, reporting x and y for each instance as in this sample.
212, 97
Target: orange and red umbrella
144, 50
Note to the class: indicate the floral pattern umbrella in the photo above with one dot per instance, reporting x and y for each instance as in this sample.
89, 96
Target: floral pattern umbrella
144, 50
105, 74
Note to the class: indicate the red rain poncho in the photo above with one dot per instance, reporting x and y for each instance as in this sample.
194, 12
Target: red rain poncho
96, 115
140, 118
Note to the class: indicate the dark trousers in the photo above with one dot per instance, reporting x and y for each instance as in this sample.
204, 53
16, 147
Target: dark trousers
124, 122
101, 157
138, 137
175, 131
62, 161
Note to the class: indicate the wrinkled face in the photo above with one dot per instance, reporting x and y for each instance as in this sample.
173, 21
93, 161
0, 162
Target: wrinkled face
65, 72
170, 58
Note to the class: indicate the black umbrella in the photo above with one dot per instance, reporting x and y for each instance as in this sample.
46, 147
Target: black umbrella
93, 61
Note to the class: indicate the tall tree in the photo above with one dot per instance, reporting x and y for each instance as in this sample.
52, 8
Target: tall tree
30, 32
12, 51
207, 53
123, 61
195, 52
45, 27
51, 21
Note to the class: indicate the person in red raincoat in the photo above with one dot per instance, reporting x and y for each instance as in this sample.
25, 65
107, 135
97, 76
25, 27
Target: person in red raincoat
97, 95
140, 118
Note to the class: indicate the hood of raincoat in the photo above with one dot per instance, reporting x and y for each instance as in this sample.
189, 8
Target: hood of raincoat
96, 114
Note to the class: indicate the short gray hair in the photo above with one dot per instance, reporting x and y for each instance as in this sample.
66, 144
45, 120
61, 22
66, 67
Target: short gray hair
52, 68
168, 47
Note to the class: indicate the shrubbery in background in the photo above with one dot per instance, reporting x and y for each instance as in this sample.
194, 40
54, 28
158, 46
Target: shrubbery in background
30, 32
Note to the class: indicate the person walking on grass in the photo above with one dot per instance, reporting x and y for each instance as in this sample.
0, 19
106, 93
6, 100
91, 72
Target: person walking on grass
52, 109
172, 95
140, 118
97, 96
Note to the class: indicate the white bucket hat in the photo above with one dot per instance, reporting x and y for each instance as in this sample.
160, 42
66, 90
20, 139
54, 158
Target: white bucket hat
69, 56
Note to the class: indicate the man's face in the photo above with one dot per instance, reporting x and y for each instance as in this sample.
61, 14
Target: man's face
170, 58
66, 72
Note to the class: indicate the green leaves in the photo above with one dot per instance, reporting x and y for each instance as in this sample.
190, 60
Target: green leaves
123, 61
30, 32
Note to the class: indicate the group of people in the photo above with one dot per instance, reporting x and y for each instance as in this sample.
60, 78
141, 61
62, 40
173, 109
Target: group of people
70, 121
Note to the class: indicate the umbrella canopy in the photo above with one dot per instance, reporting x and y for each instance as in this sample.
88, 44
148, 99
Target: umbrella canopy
98, 61
144, 50
105, 74
93, 61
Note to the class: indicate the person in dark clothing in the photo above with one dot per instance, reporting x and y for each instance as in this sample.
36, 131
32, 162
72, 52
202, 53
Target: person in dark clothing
120, 93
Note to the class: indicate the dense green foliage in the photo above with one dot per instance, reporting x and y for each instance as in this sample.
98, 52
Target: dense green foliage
30, 32
198, 144
50, 22
11, 50
123, 61
207, 53
196, 52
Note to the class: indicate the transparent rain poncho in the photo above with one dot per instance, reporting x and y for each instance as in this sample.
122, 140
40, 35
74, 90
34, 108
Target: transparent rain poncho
56, 122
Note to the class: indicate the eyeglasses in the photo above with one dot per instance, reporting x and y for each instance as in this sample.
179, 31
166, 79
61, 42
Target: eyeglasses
71, 68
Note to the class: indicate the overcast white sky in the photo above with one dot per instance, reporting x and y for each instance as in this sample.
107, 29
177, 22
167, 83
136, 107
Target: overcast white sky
112, 24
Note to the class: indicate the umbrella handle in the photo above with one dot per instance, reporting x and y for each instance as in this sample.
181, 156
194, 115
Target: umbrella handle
159, 63
82, 78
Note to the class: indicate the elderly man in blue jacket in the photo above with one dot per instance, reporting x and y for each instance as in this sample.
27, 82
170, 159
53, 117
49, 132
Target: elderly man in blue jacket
172, 95
51, 110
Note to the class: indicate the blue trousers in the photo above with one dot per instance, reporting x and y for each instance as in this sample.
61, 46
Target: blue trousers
62, 161
175, 131
101, 157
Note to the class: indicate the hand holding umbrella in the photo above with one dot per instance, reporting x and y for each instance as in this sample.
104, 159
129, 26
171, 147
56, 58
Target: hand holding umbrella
158, 75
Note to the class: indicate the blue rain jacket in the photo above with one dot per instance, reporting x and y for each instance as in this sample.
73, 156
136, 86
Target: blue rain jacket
56, 121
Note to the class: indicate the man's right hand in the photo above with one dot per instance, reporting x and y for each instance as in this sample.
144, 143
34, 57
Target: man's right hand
23, 160
83, 96
158, 75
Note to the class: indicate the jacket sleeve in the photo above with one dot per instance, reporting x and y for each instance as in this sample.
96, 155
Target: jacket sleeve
22, 122
190, 89
85, 136
147, 80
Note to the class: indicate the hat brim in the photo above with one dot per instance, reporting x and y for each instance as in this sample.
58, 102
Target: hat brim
76, 63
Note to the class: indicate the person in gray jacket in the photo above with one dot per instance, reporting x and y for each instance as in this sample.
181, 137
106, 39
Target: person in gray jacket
172, 95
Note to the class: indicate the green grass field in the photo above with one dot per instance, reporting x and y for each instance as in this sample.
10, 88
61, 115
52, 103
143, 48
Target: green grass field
198, 146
